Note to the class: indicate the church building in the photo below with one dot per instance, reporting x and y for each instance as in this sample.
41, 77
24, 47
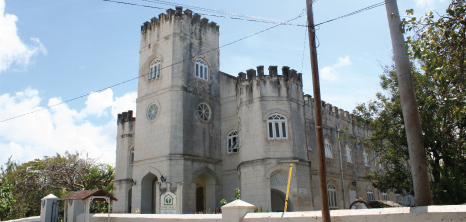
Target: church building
207, 132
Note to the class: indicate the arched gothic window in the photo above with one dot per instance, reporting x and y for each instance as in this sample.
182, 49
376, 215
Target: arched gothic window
352, 194
349, 155
370, 194
154, 69
233, 142
399, 199
332, 196
131, 156
202, 69
384, 196
276, 127
328, 149
366, 158
378, 164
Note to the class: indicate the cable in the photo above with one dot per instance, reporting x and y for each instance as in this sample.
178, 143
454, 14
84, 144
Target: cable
246, 18
147, 6
304, 49
355, 12
210, 10
132, 79
134, 4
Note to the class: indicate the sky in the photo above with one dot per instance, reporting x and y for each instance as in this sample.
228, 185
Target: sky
54, 51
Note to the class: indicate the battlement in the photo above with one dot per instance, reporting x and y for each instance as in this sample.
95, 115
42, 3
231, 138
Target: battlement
287, 74
126, 117
308, 100
179, 14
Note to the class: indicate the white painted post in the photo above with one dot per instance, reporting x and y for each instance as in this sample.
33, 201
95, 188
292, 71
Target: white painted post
46, 207
179, 197
236, 210
75, 207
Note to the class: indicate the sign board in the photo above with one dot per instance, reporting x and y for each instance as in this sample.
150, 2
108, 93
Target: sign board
302, 190
168, 203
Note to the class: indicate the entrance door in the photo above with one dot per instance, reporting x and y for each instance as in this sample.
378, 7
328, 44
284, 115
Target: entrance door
278, 200
148, 194
200, 200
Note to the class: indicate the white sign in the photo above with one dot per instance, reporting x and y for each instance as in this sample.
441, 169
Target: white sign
168, 203
302, 190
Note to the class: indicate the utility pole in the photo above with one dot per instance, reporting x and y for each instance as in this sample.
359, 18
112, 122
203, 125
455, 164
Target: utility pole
318, 113
417, 154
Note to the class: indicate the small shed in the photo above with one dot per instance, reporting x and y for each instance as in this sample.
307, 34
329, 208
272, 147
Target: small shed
87, 196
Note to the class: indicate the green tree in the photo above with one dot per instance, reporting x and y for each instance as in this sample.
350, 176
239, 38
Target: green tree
437, 48
61, 174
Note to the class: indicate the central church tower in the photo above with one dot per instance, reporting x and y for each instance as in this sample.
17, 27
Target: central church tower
178, 110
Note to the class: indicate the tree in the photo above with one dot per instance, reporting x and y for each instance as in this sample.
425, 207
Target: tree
437, 49
27, 183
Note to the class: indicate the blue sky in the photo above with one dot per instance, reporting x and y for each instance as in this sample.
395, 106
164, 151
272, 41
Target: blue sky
52, 51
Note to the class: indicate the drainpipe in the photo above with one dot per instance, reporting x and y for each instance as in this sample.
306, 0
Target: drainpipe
341, 167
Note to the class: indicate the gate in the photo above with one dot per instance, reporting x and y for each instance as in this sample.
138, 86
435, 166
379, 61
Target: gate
55, 209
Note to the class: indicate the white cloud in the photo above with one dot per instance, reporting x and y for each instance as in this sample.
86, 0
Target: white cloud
60, 128
12, 49
98, 102
124, 103
330, 72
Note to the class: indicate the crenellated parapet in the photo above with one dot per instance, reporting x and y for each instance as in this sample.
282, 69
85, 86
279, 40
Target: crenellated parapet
256, 85
172, 15
258, 75
126, 117
328, 108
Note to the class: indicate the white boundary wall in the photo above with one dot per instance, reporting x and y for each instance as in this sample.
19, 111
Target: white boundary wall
26, 219
242, 211
238, 210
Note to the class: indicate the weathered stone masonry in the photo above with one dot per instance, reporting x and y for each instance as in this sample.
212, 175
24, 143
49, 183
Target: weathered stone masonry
214, 132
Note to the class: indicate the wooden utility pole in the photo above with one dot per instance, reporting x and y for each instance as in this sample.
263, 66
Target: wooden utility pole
417, 153
318, 113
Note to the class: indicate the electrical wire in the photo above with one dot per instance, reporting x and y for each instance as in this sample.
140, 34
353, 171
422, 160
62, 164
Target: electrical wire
247, 17
132, 79
304, 49
355, 12
211, 10
148, 6
231, 15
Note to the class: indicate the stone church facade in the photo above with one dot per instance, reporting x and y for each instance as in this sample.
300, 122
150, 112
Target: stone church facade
208, 132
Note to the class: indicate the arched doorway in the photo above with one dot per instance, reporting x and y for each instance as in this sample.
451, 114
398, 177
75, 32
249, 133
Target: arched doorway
200, 199
130, 199
205, 193
148, 194
278, 183
278, 200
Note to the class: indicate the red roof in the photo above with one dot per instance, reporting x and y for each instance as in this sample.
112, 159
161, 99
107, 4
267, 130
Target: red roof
84, 194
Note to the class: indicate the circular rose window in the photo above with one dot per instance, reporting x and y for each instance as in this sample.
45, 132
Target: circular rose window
152, 112
203, 111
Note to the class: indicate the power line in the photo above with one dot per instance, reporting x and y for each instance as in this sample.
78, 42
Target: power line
245, 17
355, 12
132, 79
211, 10
238, 40
230, 15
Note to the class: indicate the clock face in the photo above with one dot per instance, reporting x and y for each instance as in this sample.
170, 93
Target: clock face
152, 112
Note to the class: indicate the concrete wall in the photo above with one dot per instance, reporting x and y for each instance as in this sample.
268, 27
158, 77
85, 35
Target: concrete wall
402, 214
27, 219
